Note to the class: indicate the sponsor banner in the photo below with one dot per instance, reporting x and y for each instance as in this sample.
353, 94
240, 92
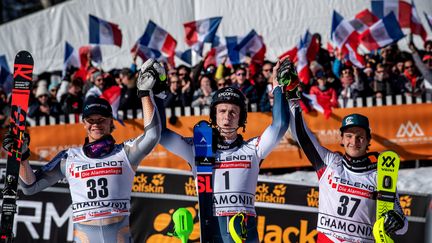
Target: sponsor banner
285, 212
405, 129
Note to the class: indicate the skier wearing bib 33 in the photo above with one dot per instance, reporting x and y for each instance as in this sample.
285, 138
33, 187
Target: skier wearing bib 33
237, 161
347, 182
100, 173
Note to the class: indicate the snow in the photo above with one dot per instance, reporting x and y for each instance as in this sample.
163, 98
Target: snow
410, 180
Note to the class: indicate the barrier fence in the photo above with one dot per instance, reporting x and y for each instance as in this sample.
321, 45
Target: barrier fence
286, 212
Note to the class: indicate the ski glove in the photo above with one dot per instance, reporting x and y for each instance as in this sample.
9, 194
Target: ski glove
9, 140
151, 72
287, 77
393, 221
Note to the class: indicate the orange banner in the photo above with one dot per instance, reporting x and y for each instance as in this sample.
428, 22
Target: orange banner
405, 129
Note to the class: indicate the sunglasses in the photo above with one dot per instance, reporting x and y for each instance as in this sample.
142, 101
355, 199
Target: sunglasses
241, 74
408, 67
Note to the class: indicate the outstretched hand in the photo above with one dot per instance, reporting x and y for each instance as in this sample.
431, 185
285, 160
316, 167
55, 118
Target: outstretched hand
150, 73
286, 75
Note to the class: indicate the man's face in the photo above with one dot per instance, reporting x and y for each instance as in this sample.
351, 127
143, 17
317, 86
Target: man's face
355, 141
97, 126
409, 66
267, 70
240, 76
227, 116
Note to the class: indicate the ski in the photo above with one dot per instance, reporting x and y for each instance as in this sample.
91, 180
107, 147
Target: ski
204, 161
23, 72
387, 175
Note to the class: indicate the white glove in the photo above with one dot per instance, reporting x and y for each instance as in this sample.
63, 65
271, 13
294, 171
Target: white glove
151, 71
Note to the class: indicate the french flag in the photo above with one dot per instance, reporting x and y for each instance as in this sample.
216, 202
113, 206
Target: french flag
104, 32
146, 53
185, 56
429, 19
307, 50
384, 32
233, 54
5, 75
201, 31
291, 53
112, 95
401, 9
363, 20
346, 38
156, 38
322, 106
71, 58
416, 25
252, 45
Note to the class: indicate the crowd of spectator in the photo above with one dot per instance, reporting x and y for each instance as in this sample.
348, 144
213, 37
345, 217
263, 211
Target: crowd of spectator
389, 71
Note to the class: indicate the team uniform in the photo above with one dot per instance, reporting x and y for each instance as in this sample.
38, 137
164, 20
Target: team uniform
100, 186
347, 193
235, 171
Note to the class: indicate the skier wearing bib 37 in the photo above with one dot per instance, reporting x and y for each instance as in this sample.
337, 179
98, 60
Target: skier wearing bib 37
237, 161
347, 182
100, 173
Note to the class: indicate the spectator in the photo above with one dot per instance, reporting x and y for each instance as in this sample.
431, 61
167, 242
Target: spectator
381, 84
223, 82
323, 56
266, 101
244, 85
350, 89
4, 109
72, 101
424, 65
43, 105
411, 80
326, 96
128, 98
175, 95
203, 96
98, 85
52, 88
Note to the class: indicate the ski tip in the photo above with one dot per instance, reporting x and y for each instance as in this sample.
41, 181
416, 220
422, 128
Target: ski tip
23, 54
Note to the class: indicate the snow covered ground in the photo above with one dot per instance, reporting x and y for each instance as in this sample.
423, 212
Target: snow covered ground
410, 180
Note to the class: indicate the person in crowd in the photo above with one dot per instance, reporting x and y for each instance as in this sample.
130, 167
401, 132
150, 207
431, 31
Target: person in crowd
43, 105
424, 64
411, 80
325, 96
175, 95
381, 83
98, 85
355, 167
108, 187
202, 97
228, 113
4, 109
244, 85
72, 101
351, 87
223, 82
128, 99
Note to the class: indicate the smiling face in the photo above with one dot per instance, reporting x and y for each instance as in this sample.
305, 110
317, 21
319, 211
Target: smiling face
227, 119
97, 126
355, 141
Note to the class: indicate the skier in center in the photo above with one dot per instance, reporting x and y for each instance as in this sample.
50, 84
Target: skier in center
347, 182
228, 113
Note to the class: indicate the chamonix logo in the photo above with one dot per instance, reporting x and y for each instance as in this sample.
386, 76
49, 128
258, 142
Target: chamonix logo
409, 130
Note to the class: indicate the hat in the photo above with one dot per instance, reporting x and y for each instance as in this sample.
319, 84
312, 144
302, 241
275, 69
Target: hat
427, 57
95, 105
355, 120
41, 90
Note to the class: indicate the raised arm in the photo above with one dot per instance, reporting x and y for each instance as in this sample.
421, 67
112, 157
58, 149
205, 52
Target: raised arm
136, 149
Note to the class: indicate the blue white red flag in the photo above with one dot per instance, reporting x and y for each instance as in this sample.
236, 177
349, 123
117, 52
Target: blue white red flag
252, 45
71, 58
384, 32
104, 32
158, 39
201, 31
185, 56
112, 95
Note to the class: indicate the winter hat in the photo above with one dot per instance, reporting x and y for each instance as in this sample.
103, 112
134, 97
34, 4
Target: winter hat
41, 88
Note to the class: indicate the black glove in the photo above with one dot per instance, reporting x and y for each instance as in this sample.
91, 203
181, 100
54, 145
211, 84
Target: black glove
287, 76
9, 140
393, 221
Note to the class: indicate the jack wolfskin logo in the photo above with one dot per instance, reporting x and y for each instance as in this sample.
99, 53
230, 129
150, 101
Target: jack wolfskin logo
388, 161
409, 130
203, 140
